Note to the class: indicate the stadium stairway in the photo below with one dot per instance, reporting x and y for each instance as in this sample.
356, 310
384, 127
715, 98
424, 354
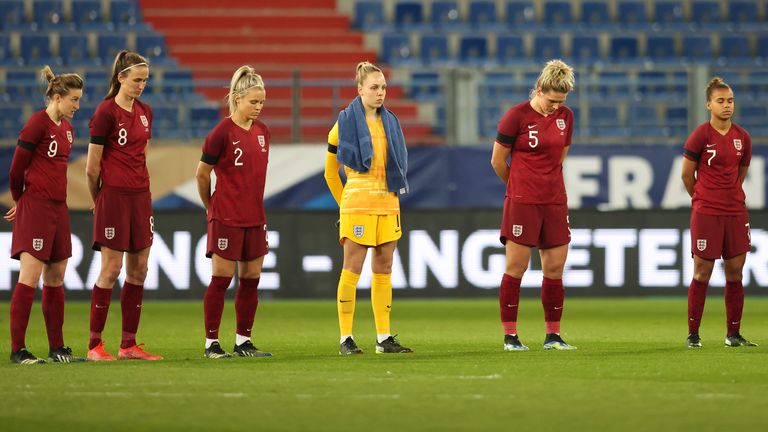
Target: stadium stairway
279, 39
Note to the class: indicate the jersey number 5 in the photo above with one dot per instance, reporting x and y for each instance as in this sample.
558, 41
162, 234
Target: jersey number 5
534, 140
238, 155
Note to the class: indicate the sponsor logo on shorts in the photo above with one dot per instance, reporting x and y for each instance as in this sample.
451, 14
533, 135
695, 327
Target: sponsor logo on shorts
37, 244
560, 124
358, 231
70, 137
517, 230
737, 144
144, 120
109, 233
701, 244
223, 243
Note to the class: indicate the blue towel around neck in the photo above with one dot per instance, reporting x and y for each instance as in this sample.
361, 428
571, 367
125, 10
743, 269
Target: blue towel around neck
356, 147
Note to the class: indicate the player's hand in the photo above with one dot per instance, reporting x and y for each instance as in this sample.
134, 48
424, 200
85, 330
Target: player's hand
10, 215
337, 223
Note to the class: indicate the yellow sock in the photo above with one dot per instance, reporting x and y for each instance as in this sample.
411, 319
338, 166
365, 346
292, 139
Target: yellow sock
381, 299
345, 296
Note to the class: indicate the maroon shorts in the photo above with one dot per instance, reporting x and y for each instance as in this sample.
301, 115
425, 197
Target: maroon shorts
41, 229
236, 243
714, 236
123, 220
541, 225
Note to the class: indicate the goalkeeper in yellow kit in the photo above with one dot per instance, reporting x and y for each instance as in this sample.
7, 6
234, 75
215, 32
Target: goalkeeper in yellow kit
368, 140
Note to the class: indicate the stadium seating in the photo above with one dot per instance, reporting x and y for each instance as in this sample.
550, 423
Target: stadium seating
87, 14
558, 13
547, 47
624, 48
36, 49
445, 15
742, 11
705, 12
409, 15
73, 49
396, 49
109, 46
632, 13
595, 13
434, 50
473, 50
585, 48
49, 14
369, 15
509, 49
482, 16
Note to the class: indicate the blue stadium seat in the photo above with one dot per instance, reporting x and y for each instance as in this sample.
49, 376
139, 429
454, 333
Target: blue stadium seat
585, 48
178, 84
734, 47
762, 46
547, 47
652, 84
87, 14
109, 46
36, 49
677, 115
520, 14
22, 85
369, 15
603, 115
396, 49
509, 49
152, 46
6, 57
742, 12
612, 85
668, 12
425, 86
96, 85
660, 47
632, 13
595, 13
697, 47
165, 117
80, 122
624, 48
203, 119
409, 15
558, 13
705, 12
48, 14
434, 49
11, 120
473, 50
482, 15
642, 115
73, 49
445, 15
126, 14
12, 15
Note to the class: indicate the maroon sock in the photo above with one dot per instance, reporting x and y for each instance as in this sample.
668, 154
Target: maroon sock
21, 305
697, 294
509, 300
100, 300
53, 313
246, 302
552, 296
213, 305
130, 303
734, 304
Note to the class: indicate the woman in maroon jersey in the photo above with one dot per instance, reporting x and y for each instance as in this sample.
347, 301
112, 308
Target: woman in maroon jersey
717, 156
536, 134
118, 181
41, 236
237, 149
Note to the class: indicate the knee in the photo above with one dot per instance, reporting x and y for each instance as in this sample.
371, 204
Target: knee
516, 269
111, 271
138, 273
733, 275
702, 274
53, 280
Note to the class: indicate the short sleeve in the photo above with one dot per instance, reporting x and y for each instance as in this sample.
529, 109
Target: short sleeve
747, 157
570, 122
150, 117
214, 144
31, 134
333, 135
508, 128
693, 145
101, 126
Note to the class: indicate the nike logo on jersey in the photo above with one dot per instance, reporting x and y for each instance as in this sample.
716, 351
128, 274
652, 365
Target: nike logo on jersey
531, 126
711, 145
120, 124
235, 142
53, 136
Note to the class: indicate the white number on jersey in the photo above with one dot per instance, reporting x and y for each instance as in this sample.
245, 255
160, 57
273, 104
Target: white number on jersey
122, 136
709, 161
239, 153
53, 147
534, 142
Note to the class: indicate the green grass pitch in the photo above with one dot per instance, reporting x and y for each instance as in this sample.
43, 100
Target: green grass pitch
631, 372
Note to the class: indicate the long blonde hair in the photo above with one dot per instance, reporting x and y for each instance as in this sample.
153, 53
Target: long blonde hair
124, 60
244, 79
556, 76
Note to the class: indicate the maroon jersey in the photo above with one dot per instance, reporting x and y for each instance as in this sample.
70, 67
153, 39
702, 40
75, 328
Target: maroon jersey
537, 143
125, 136
239, 157
39, 166
718, 190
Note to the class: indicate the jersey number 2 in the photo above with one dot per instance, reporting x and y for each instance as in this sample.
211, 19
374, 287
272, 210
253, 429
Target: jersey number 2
239, 154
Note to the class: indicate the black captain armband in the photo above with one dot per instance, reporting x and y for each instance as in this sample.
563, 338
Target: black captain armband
332, 148
692, 155
99, 140
26, 145
210, 160
504, 139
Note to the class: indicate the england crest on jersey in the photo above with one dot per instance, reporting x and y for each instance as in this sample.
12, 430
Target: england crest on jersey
223, 243
262, 142
737, 144
37, 244
69, 137
701, 244
144, 120
560, 124
109, 233
517, 230
358, 231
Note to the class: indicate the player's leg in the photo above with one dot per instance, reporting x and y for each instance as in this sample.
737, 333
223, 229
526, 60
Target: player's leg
21, 306
356, 233
131, 299
53, 312
517, 258
706, 246
101, 298
553, 295
247, 297
223, 270
737, 244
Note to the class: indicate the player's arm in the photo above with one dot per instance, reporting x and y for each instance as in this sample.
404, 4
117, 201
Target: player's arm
203, 177
22, 157
499, 159
743, 172
93, 169
331, 173
689, 174
565, 153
